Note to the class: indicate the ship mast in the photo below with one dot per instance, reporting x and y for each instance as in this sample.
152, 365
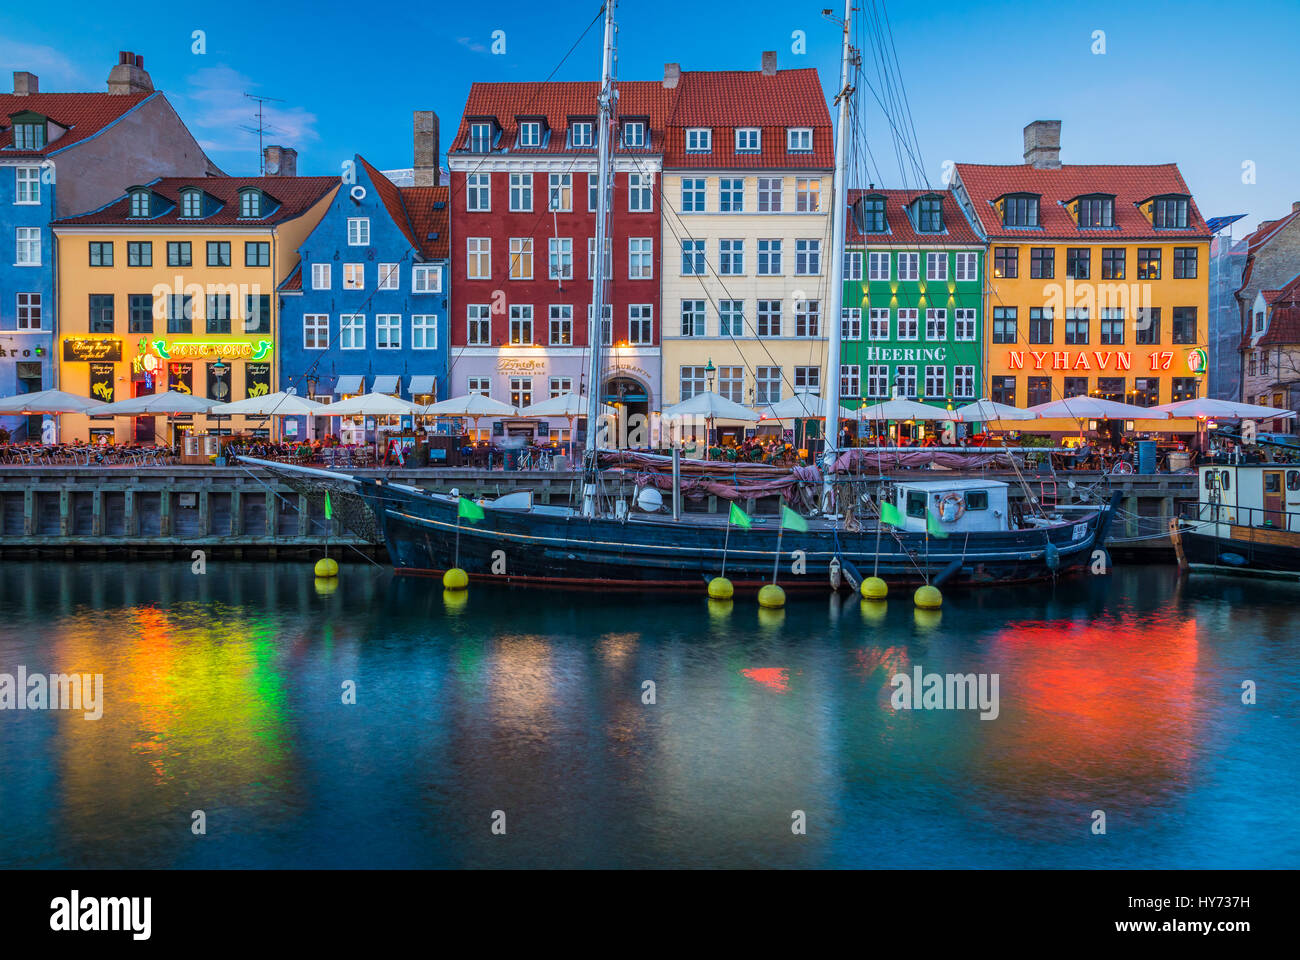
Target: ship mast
839, 211
608, 99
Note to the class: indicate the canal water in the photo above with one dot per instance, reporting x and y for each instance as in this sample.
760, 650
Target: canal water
223, 692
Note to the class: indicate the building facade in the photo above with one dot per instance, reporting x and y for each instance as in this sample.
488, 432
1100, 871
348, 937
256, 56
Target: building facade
747, 180
523, 201
1097, 280
912, 317
60, 154
172, 286
365, 309
1270, 353
1271, 260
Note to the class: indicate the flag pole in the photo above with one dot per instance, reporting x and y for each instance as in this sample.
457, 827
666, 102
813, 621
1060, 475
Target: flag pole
725, 540
456, 561
880, 523
776, 561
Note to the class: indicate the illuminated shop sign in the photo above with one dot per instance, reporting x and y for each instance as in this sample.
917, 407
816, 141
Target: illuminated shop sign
211, 349
1098, 360
512, 365
933, 354
87, 350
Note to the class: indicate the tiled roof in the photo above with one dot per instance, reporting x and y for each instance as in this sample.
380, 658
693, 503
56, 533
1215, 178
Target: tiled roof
1130, 185
85, 114
430, 211
1268, 230
725, 100
295, 195
557, 102
957, 228
1283, 315
392, 199
293, 282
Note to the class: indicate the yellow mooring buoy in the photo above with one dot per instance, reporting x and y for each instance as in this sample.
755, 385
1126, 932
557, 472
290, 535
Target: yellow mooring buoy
873, 588
771, 596
455, 579
720, 588
928, 597
327, 567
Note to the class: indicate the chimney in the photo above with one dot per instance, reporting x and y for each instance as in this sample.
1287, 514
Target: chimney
129, 75
1043, 144
672, 74
280, 161
25, 83
769, 63
426, 148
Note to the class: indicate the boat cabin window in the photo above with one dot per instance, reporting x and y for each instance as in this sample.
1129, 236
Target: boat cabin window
916, 503
1211, 479
1227, 480
1272, 483
977, 499
1293, 479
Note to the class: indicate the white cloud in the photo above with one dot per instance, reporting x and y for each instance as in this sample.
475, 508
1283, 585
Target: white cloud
57, 73
471, 45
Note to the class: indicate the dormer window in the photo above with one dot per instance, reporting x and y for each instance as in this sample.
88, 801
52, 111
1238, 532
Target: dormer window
748, 140
634, 133
140, 206
1096, 212
1169, 213
581, 134
798, 140
530, 133
928, 214
250, 204
29, 136
191, 203
699, 140
480, 137
1020, 210
871, 214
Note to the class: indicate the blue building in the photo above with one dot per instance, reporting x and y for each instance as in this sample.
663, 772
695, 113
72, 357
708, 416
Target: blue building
366, 309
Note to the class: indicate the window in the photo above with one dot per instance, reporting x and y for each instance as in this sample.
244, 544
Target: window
905, 378
929, 215
1078, 263
807, 195
1184, 325
731, 257
1042, 263
769, 258
770, 190
850, 380
692, 257
426, 278
521, 192
936, 323
967, 266
964, 323
807, 258
559, 386
936, 381
354, 276
1170, 213
963, 382
1111, 325
480, 385
1003, 390
139, 253
478, 192
320, 276
1184, 263
877, 380
1076, 326
699, 140
1146, 392
731, 383
1096, 212
101, 254
878, 324
1004, 324
521, 258
139, 317
521, 324
634, 133
640, 196
216, 316
480, 137
1148, 263
561, 325
1074, 387
191, 204
640, 258
767, 384
388, 331
479, 263
1112, 388
748, 140
1183, 388
731, 195
1006, 262
218, 253
850, 323
27, 188
179, 313
808, 379
878, 266
799, 140
478, 319
29, 312
560, 187
530, 134
1020, 211
315, 331
257, 254
692, 318
580, 134
640, 323
908, 324
28, 247
591, 258
257, 313
936, 266
1113, 263
692, 382
606, 323
521, 391
140, 206
1146, 325
769, 318
872, 214
358, 231
250, 203
807, 318
692, 195
178, 253
1038, 390
1041, 320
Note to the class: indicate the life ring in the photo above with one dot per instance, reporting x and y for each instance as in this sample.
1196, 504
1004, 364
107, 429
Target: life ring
958, 502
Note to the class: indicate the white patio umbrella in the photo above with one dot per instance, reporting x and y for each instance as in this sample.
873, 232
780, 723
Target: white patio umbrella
1223, 410
984, 410
712, 405
279, 404
373, 405
49, 401
470, 405
803, 405
170, 403
567, 405
900, 408
1097, 408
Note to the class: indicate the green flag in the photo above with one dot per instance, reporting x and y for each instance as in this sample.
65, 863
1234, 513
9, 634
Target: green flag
329, 510
739, 517
890, 514
933, 526
792, 521
470, 510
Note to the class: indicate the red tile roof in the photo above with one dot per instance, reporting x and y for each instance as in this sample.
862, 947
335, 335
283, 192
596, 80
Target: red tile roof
392, 200
1130, 185
957, 228
293, 282
430, 212
85, 114
295, 196
1283, 316
1267, 230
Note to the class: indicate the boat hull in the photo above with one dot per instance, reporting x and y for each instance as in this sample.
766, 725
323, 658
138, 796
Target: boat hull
1270, 552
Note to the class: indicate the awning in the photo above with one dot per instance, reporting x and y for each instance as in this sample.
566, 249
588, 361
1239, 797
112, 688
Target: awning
386, 384
349, 383
422, 385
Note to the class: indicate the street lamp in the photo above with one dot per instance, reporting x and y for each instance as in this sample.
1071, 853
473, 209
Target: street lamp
709, 372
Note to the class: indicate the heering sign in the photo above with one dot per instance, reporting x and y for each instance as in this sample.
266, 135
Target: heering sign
936, 354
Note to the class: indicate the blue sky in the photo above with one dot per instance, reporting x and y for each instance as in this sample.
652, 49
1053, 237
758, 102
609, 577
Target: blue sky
1182, 82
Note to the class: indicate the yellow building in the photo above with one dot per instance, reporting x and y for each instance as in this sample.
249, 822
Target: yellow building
172, 286
1097, 281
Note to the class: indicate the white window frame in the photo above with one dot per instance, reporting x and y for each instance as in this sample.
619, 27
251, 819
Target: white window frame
731, 318
936, 265
850, 380
877, 380
30, 177
640, 258
636, 127
322, 276
806, 191
424, 331
581, 134
696, 311
878, 323
478, 250
27, 247
521, 192
354, 276
699, 140
640, 315
731, 257
745, 136
774, 198
521, 247
640, 193
530, 133
478, 324
350, 325
358, 231
795, 138
930, 374
852, 265
559, 192
384, 324
966, 266
875, 260
426, 278
521, 314
315, 331
694, 254
774, 256
907, 374
811, 255
850, 323
908, 318
390, 276
480, 385
561, 313
936, 323
963, 375
591, 258
808, 314
909, 265
480, 135
964, 325
698, 191
478, 192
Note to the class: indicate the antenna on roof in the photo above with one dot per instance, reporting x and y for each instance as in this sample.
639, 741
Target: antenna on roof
262, 128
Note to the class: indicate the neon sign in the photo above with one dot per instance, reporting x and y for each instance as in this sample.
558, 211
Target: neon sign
224, 349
